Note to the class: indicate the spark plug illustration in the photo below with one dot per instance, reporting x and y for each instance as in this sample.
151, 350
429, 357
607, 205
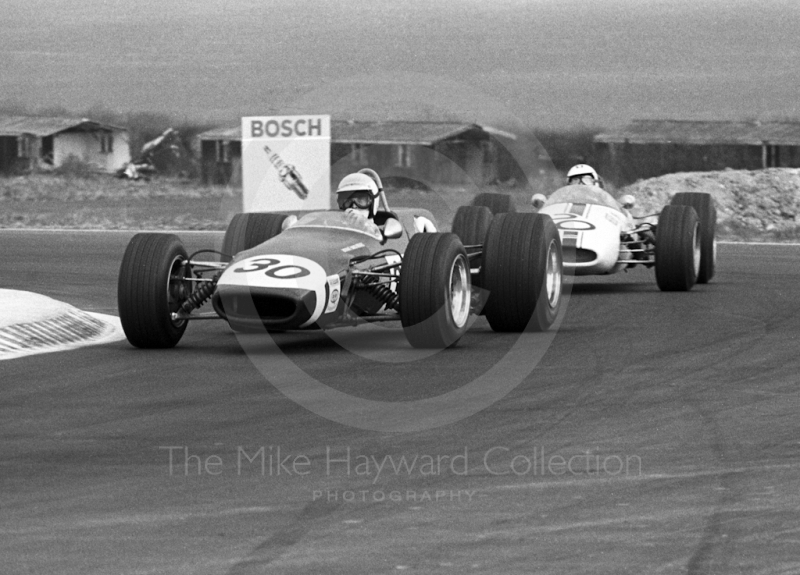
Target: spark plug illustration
288, 174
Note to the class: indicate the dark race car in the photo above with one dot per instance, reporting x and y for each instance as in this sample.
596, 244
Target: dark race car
330, 269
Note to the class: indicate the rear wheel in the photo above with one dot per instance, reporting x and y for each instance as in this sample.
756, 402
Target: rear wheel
497, 203
703, 204
434, 290
677, 248
523, 271
248, 230
152, 285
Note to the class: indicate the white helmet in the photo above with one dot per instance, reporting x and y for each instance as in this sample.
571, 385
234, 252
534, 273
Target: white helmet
576, 172
357, 191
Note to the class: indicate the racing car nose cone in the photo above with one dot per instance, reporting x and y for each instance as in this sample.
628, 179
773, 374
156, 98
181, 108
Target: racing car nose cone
264, 307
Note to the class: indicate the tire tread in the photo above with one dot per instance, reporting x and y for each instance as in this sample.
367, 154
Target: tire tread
674, 248
423, 284
141, 290
515, 264
703, 204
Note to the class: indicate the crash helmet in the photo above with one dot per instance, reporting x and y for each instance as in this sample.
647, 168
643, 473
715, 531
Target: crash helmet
358, 192
582, 174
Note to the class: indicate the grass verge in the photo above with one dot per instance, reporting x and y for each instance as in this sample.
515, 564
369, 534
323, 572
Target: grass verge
103, 202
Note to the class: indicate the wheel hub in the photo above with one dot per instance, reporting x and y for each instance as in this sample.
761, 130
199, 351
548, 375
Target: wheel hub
459, 291
553, 276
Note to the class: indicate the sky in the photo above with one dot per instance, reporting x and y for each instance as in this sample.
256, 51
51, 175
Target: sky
514, 63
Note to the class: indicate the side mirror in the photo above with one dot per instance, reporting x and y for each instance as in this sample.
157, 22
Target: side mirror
392, 229
538, 200
627, 201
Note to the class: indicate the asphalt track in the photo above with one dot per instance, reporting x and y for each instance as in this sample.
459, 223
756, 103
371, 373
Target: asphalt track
658, 434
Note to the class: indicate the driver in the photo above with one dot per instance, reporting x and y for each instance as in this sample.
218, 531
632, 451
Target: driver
357, 194
583, 174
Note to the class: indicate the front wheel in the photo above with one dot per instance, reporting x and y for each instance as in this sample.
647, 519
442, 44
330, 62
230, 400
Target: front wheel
677, 248
152, 285
435, 291
703, 204
523, 270
247, 230
471, 224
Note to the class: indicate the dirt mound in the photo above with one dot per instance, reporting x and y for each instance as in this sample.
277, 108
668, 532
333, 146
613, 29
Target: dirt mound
758, 205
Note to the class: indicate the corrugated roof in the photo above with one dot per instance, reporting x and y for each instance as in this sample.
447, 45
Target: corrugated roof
704, 132
222, 134
45, 126
421, 133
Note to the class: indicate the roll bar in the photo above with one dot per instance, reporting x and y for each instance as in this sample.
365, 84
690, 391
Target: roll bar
377, 179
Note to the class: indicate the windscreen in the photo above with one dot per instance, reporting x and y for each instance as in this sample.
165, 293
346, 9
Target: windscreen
345, 220
581, 194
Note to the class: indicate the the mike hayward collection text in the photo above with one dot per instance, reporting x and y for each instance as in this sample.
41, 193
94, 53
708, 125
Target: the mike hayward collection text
498, 460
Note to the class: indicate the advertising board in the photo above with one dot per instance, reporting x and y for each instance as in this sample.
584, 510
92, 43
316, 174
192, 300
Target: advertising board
286, 163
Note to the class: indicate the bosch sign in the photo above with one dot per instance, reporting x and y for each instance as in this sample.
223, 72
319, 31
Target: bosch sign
286, 163
291, 127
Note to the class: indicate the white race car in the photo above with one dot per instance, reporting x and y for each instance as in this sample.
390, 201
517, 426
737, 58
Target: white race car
600, 236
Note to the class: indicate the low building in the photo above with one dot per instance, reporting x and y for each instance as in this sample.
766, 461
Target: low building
30, 143
221, 156
425, 152
649, 148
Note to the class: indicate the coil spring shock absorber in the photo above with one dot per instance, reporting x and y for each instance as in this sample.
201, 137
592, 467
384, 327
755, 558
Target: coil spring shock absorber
383, 294
200, 296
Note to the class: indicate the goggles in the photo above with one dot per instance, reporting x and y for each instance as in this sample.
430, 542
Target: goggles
361, 199
586, 179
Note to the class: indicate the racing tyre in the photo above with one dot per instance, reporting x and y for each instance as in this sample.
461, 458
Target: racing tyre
497, 203
471, 225
248, 230
523, 271
703, 204
434, 290
152, 284
677, 248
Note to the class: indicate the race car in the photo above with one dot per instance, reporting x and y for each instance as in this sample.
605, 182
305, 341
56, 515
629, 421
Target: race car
600, 236
329, 269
